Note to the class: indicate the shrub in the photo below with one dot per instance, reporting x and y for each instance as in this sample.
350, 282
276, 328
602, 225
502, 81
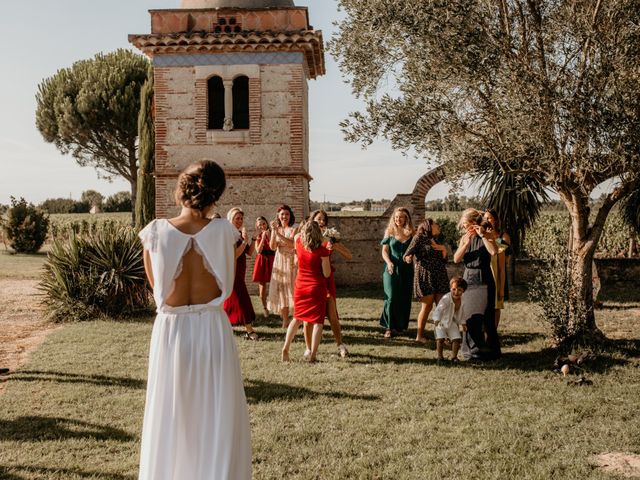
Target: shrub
25, 226
118, 202
549, 292
97, 274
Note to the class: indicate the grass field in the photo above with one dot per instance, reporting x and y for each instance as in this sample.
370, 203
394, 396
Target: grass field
386, 412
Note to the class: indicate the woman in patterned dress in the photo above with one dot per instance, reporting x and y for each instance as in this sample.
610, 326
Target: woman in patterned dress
283, 274
430, 279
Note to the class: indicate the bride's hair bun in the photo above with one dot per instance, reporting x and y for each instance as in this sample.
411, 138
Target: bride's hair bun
200, 185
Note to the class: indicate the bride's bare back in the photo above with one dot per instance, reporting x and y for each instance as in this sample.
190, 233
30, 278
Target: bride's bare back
195, 285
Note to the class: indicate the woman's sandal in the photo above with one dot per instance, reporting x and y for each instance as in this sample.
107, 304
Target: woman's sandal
251, 336
387, 335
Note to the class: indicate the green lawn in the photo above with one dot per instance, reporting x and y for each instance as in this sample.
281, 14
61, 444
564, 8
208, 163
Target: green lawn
21, 266
387, 412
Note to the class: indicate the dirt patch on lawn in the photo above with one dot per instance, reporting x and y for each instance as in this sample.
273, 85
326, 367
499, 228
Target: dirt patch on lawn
22, 328
625, 464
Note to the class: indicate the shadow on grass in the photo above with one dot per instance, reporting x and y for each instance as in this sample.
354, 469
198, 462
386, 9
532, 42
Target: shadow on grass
45, 472
36, 429
535, 361
366, 359
513, 339
62, 377
261, 392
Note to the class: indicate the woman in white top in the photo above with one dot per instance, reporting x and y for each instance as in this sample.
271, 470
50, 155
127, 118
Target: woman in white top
196, 423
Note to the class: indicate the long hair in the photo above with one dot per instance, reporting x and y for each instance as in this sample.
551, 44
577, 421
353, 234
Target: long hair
426, 228
320, 212
392, 230
292, 218
470, 216
495, 216
311, 236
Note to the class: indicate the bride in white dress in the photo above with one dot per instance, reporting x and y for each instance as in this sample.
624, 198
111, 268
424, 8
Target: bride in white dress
196, 423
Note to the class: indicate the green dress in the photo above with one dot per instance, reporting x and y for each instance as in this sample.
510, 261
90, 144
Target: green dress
398, 287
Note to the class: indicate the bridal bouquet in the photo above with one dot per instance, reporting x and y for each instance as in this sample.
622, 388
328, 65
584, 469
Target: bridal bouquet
332, 234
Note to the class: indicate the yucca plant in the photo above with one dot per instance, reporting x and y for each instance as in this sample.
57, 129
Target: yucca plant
100, 274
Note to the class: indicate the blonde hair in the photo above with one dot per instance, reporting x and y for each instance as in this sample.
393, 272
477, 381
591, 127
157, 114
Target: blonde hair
311, 236
470, 217
392, 230
233, 212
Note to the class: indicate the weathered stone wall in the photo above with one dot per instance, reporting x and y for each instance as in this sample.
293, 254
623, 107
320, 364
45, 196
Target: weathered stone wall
266, 165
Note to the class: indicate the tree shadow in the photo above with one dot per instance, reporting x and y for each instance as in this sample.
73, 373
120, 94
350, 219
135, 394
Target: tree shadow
63, 377
36, 429
367, 359
513, 339
626, 347
258, 391
46, 472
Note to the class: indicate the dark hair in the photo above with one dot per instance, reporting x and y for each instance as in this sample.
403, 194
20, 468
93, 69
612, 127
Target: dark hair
320, 212
460, 282
292, 218
494, 214
426, 227
200, 185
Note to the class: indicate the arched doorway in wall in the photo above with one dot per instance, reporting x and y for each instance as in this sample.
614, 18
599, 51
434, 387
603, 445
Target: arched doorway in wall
420, 191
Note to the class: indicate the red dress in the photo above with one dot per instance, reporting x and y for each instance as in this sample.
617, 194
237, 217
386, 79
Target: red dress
310, 293
264, 263
238, 306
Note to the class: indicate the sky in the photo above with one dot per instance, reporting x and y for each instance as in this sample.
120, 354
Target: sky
42, 36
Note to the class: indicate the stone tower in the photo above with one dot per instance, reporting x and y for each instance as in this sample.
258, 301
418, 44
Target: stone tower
231, 86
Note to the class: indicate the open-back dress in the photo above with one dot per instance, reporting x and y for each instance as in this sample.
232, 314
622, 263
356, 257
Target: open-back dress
196, 424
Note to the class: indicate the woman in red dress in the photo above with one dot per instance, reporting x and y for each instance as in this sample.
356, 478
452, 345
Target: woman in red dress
322, 219
310, 293
264, 260
238, 306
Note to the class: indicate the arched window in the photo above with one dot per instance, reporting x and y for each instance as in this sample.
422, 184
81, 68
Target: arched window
241, 103
215, 95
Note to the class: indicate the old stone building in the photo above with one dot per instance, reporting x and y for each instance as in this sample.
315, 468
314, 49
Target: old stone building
231, 86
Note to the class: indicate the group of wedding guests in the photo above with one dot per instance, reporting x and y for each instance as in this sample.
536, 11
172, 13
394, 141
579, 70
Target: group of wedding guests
196, 422
415, 267
294, 273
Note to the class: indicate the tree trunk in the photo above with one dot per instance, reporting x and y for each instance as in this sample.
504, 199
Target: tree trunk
633, 245
582, 328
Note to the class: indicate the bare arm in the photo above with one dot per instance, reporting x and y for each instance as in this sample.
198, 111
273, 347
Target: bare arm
342, 250
501, 275
387, 259
326, 267
463, 246
488, 239
146, 257
440, 248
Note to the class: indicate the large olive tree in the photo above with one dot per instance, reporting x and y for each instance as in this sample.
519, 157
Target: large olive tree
91, 111
549, 89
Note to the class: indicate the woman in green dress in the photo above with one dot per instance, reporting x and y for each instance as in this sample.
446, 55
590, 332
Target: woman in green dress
397, 277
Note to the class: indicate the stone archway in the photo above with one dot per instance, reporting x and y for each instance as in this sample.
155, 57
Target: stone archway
424, 184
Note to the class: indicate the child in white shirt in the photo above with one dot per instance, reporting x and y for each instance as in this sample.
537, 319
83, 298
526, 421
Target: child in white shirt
448, 317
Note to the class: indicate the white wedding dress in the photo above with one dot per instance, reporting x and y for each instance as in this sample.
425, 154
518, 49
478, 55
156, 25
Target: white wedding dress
196, 424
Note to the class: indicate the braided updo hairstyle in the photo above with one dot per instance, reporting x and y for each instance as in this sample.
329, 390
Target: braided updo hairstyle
200, 185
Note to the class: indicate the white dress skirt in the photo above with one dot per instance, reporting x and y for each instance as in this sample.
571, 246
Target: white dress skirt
196, 424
